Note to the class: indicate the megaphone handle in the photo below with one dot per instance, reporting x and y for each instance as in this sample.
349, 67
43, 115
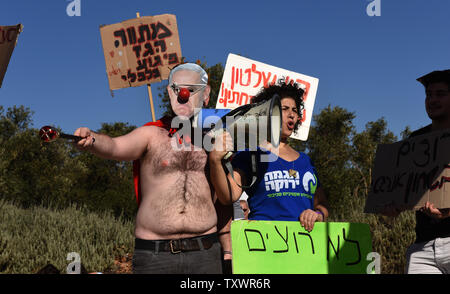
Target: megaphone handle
228, 155
229, 168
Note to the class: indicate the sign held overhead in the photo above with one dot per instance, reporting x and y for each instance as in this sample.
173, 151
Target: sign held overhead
8, 41
140, 51
243, 78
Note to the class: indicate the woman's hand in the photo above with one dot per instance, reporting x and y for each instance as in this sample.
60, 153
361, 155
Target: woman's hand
223, 143
308, 217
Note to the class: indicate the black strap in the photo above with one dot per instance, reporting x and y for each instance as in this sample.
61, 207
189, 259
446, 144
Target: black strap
229, 168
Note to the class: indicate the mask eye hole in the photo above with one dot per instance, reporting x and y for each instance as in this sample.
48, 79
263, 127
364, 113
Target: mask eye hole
192, 88
175, 88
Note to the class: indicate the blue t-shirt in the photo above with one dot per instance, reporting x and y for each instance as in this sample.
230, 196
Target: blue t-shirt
283, 189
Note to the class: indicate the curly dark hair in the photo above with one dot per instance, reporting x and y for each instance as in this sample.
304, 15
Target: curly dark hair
283, 89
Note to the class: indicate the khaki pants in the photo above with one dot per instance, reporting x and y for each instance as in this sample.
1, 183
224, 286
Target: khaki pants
432, 257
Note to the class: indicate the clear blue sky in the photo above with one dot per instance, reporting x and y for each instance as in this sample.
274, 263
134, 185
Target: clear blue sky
367, 65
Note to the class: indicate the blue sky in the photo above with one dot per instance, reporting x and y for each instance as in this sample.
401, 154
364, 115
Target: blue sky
367, 65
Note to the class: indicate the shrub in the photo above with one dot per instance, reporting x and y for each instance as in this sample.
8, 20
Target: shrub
390, 236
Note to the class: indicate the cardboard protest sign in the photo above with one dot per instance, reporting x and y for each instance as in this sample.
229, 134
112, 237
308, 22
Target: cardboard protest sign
410, 172
140, 51
280, 247
8, 40
243, 78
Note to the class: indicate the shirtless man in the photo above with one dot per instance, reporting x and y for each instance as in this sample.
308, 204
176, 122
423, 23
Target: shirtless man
176, 224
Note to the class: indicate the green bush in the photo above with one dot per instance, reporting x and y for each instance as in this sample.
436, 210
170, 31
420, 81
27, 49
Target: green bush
34, 237
390, 236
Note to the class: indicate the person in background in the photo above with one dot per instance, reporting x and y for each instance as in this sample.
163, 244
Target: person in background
430, 253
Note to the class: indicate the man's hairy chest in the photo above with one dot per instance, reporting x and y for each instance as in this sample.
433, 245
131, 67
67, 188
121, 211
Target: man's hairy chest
166, 157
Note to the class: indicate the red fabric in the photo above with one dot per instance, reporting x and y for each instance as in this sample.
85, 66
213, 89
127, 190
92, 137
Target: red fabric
162, 123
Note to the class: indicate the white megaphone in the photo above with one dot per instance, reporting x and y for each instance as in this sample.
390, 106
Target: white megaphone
251, 125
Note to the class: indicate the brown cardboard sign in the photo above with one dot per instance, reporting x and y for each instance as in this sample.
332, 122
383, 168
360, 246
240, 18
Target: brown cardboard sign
140, 51
410, 172
8, 40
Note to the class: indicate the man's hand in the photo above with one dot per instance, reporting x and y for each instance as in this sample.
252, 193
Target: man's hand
434, 212
308, 217
88, 138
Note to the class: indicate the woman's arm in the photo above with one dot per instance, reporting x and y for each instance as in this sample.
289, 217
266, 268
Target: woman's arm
320, 213
227, 189
321, 204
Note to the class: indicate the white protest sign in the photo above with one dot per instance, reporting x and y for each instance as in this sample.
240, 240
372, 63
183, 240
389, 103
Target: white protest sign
243, 78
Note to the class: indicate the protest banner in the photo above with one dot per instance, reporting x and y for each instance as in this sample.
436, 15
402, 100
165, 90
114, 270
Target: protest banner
281, 247
410, 172
243, 78
8, 41
140, 51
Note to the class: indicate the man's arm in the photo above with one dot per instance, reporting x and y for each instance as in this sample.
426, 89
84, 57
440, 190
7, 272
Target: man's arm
127, 147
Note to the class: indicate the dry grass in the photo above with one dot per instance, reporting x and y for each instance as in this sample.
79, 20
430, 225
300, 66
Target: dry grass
32, 238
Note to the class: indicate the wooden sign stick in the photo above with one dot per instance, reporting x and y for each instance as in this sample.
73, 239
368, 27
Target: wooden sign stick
149, 89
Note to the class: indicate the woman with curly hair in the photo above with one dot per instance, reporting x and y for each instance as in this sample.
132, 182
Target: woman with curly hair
287, 188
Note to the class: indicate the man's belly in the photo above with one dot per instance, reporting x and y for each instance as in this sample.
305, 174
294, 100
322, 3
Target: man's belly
176, 205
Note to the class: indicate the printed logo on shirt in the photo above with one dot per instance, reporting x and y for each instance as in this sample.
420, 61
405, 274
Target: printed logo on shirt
310, 183
277, 180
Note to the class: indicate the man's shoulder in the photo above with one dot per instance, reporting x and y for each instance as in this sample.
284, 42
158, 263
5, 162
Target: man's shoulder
150, 130
421, 131
157, 126
153, 135
157, 123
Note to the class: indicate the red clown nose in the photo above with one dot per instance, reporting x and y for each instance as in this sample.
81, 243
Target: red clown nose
184, 94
